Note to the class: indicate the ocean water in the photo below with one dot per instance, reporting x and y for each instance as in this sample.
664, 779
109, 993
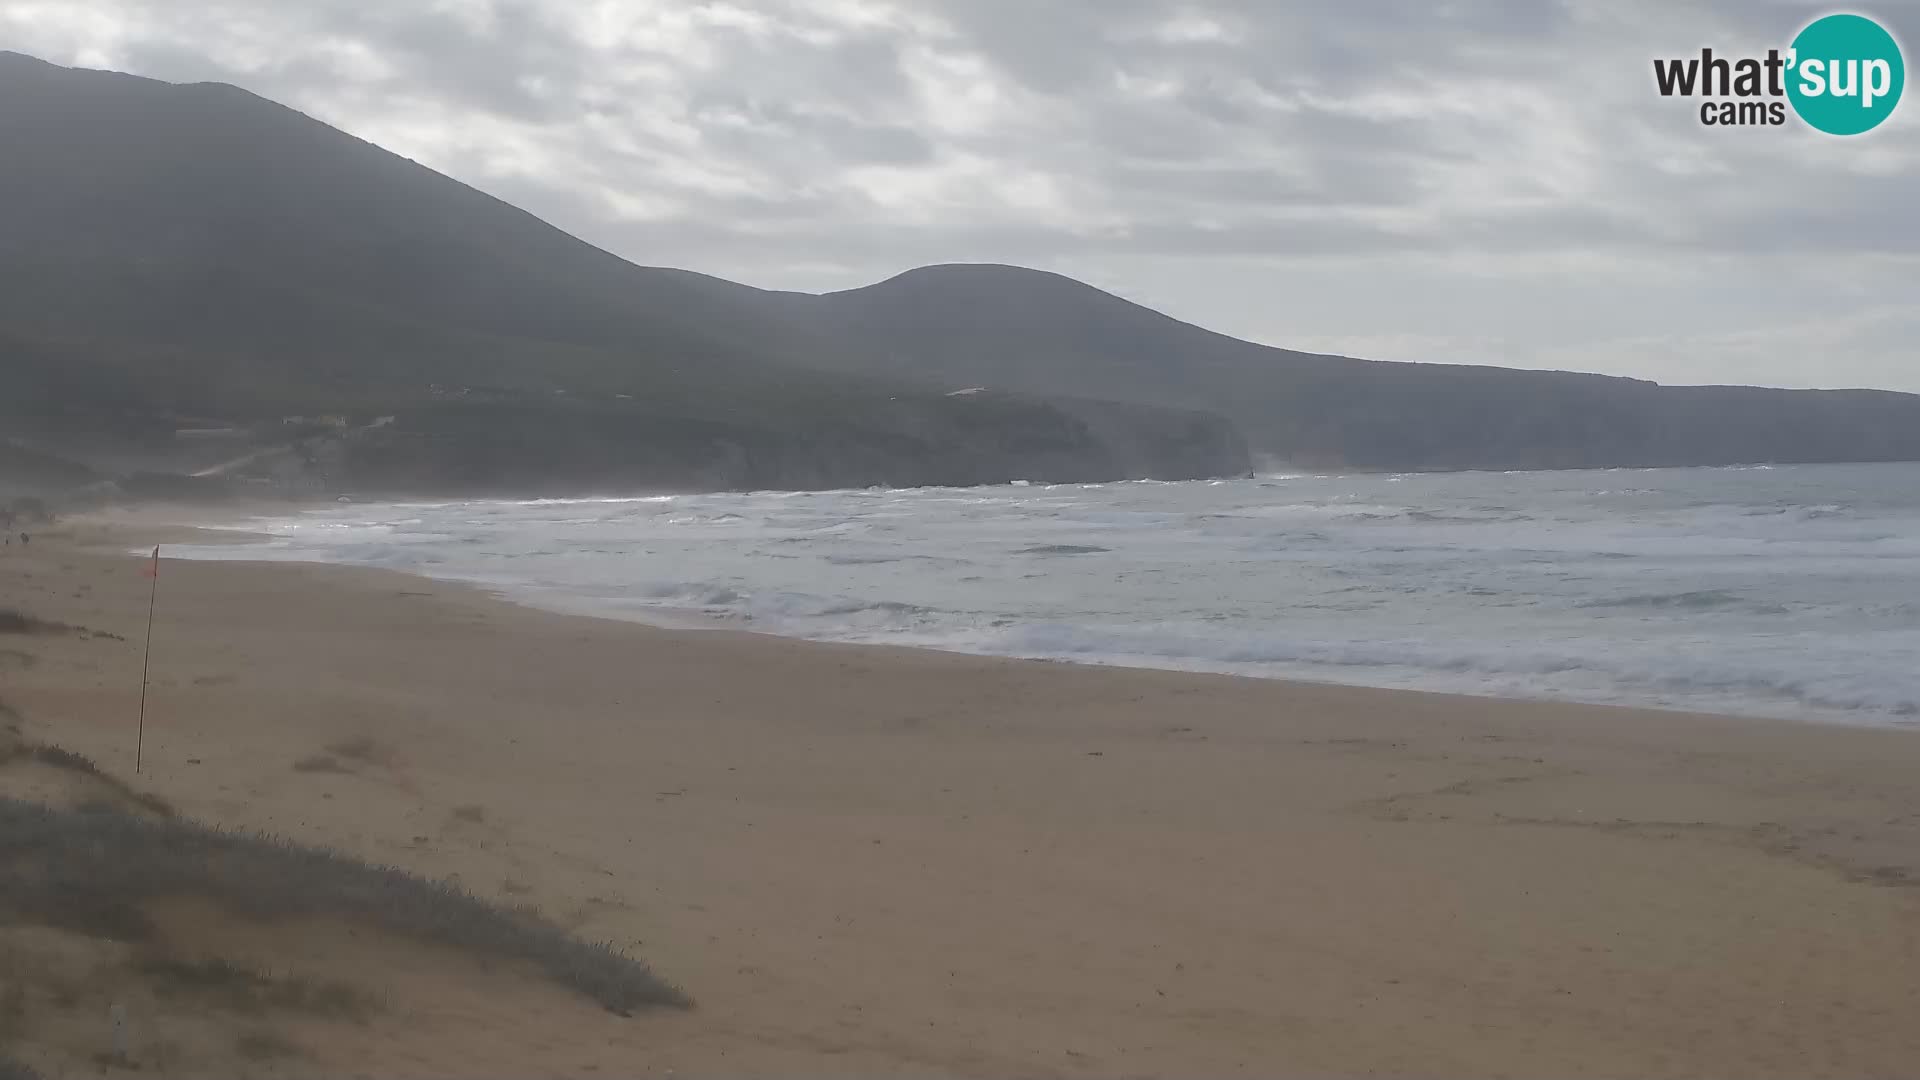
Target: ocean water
1789, 591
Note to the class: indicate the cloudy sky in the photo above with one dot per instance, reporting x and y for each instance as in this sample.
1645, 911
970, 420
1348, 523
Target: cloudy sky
1481, 181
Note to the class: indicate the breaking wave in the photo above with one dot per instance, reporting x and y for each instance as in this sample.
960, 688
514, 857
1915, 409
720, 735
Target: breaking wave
1780, 592
1694, 600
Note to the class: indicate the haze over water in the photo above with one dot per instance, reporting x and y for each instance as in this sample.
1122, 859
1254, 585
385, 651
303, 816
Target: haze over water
1789, 591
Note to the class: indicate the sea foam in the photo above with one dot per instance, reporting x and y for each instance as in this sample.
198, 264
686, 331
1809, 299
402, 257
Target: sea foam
1786, 591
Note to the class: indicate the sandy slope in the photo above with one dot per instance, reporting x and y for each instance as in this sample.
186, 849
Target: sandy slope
871, 861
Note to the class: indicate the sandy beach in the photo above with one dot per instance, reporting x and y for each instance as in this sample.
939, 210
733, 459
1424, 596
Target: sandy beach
872, 861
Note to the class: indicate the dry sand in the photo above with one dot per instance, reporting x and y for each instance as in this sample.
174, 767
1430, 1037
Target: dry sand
868, 861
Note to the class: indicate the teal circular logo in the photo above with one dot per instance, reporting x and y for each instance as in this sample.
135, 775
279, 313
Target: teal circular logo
1846, 74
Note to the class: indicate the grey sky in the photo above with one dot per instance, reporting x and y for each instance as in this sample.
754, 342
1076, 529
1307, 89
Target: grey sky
1490, 181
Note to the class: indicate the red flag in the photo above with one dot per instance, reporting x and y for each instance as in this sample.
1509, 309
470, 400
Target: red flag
152, 569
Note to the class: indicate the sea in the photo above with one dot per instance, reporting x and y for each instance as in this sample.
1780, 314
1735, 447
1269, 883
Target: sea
1789, 591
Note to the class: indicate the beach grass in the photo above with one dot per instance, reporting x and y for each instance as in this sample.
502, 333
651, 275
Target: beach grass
15, 621
94, 870
57, 757
242, 989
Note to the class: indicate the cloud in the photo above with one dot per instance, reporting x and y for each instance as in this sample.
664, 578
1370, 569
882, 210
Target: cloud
1192, 155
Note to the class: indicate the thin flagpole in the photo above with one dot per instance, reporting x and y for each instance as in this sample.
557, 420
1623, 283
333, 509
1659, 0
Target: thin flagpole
140, 739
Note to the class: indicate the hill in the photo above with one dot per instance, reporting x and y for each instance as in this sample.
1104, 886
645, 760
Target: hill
182, 261
1032, 331
193, 257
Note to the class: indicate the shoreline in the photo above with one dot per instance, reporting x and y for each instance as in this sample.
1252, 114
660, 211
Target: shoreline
881, 860
697, 619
